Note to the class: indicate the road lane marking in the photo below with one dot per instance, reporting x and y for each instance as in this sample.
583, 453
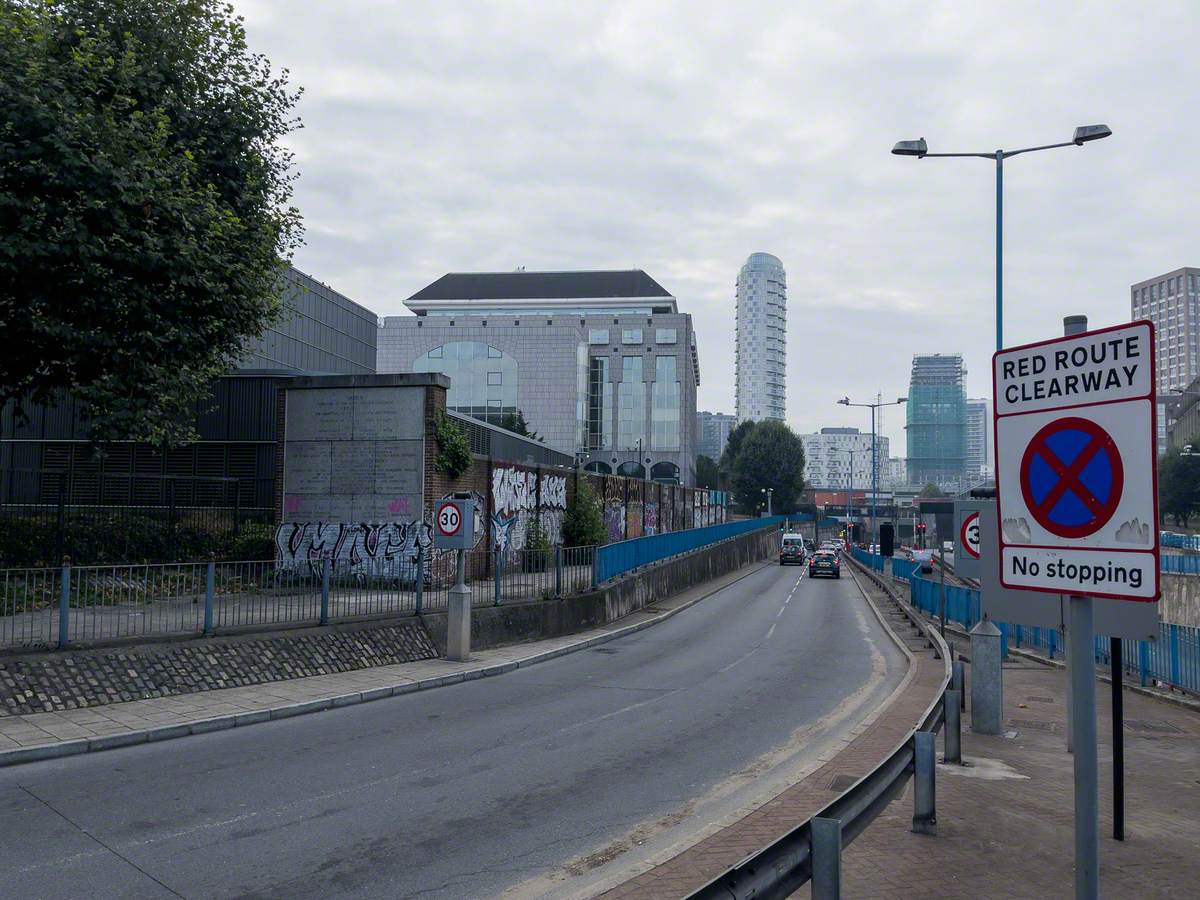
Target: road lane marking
770, 631
740, 659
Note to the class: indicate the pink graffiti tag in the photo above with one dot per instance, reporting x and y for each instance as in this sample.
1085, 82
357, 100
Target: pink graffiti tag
398, 505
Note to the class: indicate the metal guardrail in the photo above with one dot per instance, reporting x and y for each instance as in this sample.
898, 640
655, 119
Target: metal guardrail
780, 868
625, 556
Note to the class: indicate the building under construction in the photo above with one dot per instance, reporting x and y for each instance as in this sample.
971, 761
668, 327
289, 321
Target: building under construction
937, 407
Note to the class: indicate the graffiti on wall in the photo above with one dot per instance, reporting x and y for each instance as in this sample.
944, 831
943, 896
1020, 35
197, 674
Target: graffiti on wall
651, 517
388, 549
521, 497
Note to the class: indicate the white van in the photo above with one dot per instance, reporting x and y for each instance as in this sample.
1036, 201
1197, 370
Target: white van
791, 549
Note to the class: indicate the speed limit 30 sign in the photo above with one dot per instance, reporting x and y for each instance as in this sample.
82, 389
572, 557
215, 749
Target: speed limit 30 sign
968, 538
453, 525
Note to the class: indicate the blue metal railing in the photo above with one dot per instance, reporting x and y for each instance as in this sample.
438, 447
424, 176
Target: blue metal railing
624, 556
1180, 565
1179, 541
1173, 659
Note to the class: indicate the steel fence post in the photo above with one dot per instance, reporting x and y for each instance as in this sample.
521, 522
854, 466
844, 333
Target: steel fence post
1173, 632
1143, 660
959, 670
924, 769
953, 736
595, 566
64, 606
420, 588
210, 583
496, 602
325, 562
826, 842
558, 570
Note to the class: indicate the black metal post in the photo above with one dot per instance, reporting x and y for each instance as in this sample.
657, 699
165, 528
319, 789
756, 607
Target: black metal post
1118, 727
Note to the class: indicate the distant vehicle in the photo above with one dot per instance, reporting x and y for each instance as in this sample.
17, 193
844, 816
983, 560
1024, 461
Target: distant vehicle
791, 550
839, 544
924, 559
824, 562
947, 546
810, 545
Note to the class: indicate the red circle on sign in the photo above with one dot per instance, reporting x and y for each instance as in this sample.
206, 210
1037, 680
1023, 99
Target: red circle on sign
449, 521
1068, 477
962, 535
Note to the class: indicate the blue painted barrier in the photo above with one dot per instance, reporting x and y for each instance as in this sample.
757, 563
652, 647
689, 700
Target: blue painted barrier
625, 556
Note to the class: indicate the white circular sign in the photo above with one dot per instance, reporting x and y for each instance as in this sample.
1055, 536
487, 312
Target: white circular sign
969, 537
449, 520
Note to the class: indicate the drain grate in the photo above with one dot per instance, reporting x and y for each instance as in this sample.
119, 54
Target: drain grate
842, 782
1152, 727
603, 650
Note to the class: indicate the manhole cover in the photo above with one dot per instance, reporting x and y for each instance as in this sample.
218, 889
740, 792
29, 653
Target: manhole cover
603, 650
1040, 699
1033, 725
842, 782
1152, 727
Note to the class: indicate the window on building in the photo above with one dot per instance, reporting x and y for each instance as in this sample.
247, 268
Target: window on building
631, 405
599, 411
631, 336
483, 379
665, 418
665, 336
598, 336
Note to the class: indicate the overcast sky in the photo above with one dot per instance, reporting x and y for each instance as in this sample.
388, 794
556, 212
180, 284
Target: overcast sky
680, 137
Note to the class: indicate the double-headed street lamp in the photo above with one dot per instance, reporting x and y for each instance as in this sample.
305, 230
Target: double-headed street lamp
920, 149
845, 401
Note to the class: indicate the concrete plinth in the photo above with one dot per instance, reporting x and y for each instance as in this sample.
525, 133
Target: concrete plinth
987, 694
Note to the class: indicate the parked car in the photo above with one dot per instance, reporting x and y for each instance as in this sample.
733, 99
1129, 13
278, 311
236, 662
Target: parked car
824, 562
791, 550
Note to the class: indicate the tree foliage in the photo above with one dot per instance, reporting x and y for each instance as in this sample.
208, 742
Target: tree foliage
144, 208
931, 490
454, 453
515, 422
583, 522
1179, 486
770, 456
707, 473
734, 444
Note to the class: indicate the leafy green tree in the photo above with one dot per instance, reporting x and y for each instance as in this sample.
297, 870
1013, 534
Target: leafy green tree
1179, 486
583, 522
515, 422
454, 452
707, 474
144, 213
931, 490
733, 445
771, 456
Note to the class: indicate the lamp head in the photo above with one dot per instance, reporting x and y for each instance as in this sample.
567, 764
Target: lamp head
1086, 133
917, 148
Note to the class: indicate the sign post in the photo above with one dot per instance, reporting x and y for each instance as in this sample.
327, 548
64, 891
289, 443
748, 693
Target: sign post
1078, 505
454, 528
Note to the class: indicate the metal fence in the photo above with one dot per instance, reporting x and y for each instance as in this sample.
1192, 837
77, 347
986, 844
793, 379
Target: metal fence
625, 556
107, 518
1179, 564
1173, 659
1179, 541
46, 607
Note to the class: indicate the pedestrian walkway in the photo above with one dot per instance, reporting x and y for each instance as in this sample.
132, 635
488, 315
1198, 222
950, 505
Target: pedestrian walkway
25, 738
1005, 820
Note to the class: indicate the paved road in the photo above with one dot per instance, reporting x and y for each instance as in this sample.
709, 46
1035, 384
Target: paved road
549, 778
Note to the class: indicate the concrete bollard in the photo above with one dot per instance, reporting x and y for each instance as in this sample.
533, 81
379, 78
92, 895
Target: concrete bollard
826, 840
987, 694
458, 619
953, 736
924, 773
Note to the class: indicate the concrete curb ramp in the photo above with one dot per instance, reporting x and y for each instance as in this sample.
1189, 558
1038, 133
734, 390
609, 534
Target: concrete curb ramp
60, 749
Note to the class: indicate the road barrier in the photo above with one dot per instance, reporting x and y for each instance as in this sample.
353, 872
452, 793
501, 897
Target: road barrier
625, 556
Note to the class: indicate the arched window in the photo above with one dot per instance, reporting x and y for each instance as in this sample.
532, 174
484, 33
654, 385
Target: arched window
631, 470
666, 472
483, 379
600, 468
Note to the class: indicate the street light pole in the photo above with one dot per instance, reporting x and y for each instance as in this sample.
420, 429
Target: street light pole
920, 149
845, 401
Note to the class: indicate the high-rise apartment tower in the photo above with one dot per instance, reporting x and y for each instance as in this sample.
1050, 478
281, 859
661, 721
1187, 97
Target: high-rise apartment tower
937, 412
760, 360
1170, 302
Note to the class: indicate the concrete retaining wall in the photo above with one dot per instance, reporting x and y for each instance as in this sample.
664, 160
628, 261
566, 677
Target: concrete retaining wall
493, 626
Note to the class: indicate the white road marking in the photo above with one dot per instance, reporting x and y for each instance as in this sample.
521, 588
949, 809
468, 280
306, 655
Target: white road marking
770, 631
740, 659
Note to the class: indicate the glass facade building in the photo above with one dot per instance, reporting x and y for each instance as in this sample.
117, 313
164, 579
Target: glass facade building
602, 364
1169, 302
937, 412
760, 357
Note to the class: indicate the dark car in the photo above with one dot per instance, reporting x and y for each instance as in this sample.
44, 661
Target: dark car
824, 563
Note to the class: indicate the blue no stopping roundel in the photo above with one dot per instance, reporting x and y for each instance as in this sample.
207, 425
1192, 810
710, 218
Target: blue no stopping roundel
1072, 477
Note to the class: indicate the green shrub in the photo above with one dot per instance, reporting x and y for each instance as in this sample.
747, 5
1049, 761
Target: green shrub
256, 541
583, 523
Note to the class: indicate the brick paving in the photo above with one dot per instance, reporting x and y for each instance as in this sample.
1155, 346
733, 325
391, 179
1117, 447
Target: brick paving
1005, 821
25, 737
697, 865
